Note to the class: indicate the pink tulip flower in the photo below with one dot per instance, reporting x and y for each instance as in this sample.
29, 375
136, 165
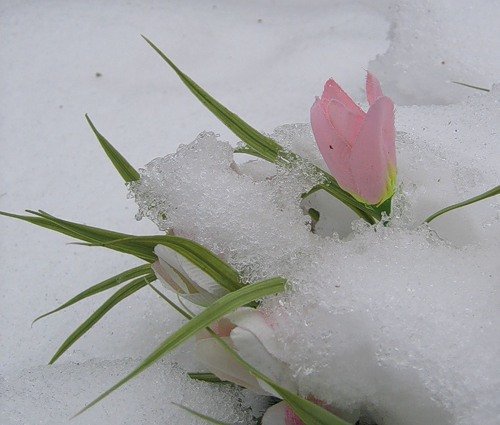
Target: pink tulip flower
358, 147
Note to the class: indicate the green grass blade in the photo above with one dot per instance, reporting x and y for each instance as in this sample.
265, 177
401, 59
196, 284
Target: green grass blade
212, 313
471, 86
248, 151
219, 270
118, 296
171, 303
363, 211
201, 415
207, 377
102, 286
488, 194
263, 145
84, 233
139, 246
128, 173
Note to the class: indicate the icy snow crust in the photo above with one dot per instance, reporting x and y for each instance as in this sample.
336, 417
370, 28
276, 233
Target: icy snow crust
401, 321
51, 54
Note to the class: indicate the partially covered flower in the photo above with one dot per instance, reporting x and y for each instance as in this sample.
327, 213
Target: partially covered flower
210, 352
358, 147
282, 414
248, 332
186, 279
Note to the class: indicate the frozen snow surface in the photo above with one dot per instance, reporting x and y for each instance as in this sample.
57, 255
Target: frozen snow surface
436, 42
396, 321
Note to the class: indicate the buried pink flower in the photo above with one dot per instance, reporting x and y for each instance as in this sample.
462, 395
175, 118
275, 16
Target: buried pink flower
282, 414
358, 147
248, 332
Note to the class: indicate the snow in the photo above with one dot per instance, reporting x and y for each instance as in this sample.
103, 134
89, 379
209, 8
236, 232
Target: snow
397, 321
266, 61
436, 42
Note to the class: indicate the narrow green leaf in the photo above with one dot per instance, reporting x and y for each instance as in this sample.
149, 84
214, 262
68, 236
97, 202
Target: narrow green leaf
201, 415
139, 246
171, 303
488, 194
248, 151
128, 173
206, 377
220, 271
365, 212
102, 286
118, 296
471, 86
262, 146
85, 233
212, 313
265, 146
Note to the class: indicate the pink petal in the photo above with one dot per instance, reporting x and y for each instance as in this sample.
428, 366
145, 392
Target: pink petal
345, 122
333, 91
373, 157
373, 90
291, 418
333, 148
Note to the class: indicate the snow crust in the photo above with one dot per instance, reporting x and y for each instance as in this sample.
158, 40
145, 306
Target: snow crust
51, 56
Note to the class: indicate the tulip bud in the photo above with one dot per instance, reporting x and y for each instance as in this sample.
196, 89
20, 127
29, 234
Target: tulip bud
358, 147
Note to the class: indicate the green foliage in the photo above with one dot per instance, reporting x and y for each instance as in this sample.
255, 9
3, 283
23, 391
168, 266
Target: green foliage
139, 246
212, 313
92, 235
488, 194
128, 173
266, 148
201, 415
118, 296
206, 377
471, 86
220, 271
103, 286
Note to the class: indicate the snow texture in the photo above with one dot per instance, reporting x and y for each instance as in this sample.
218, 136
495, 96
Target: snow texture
400, 319
396, 321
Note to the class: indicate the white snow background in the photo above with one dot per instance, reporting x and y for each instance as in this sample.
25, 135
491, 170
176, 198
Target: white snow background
264, 60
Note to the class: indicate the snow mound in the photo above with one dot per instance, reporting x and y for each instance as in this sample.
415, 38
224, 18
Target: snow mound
394, 322
435, 42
